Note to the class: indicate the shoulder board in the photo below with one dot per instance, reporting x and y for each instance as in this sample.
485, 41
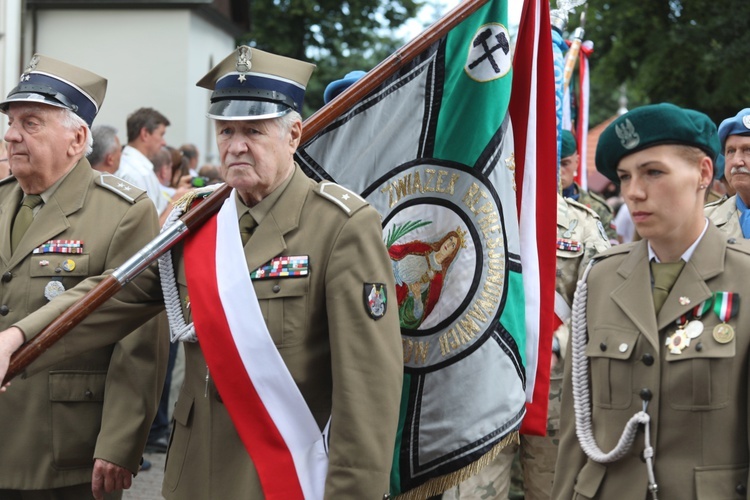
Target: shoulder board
120, 187
739, 244
600, 199
346, 200
616, 250
581, 206
717, 203
7, 180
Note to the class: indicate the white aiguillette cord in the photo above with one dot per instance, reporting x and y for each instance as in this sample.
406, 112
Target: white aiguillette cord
582, 398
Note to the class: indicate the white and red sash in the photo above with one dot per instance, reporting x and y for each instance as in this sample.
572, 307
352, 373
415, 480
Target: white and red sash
265, 404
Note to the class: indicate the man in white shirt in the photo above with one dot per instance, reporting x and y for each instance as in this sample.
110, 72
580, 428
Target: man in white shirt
146, 129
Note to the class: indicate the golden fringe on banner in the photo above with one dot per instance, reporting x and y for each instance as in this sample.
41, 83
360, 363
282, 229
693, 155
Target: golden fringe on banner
438, 485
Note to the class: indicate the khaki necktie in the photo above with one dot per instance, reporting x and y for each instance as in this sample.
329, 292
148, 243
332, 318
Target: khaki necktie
247, 226
665, 274
23, 219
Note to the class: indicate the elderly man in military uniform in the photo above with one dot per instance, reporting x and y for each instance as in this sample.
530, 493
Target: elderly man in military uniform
293, 374
73, 426
731, 214
655, 391
569, 161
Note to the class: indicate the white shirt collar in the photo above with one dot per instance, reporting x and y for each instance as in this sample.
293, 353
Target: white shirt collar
688, 253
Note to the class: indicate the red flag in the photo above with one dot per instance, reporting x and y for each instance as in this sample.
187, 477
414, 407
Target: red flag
532, 109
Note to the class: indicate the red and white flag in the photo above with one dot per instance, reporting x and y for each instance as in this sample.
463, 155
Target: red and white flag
532, 109
265, 404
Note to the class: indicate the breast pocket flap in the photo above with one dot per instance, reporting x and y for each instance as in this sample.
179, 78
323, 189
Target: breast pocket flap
611, 342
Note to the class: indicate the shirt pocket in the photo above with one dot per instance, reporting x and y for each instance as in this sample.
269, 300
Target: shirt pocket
283, 303
610, 350
698, 377
721, 482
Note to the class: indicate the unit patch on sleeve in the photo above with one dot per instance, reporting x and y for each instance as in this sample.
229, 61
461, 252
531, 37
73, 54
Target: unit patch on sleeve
375, 300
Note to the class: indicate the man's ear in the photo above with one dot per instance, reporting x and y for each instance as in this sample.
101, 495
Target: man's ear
78, 145
295, 135
143, 134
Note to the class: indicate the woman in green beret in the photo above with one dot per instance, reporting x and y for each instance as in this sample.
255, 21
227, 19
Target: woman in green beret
655, 401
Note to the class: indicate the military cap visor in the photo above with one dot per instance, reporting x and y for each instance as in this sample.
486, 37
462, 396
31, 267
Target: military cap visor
246, 110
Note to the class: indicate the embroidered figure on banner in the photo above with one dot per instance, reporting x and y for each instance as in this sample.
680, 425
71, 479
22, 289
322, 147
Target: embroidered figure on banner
420, 269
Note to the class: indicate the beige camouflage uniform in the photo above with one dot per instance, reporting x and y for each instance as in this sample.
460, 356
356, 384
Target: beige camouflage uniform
580, 236
598, 205
725, 215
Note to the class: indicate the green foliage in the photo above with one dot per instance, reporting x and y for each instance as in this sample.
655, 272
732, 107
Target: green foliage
397, 232
690, 53
337, 36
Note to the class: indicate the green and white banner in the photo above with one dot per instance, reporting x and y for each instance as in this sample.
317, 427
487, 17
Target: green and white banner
432, 150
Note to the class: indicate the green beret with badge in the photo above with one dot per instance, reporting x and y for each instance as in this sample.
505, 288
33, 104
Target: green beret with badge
650, 126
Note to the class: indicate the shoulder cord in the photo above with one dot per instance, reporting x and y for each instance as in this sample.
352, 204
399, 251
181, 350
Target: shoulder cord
582, 397
179, 331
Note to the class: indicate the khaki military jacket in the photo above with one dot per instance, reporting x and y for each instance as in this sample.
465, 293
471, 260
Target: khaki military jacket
66, 411
598, 205
725, 214
698, 398
347, 365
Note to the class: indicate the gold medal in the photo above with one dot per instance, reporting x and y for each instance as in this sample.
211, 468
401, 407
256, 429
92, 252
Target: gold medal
723, 333
678, 341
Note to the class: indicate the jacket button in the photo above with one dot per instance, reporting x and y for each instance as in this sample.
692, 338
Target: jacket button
647, 359
603, 346
741, 489
88, 394
7, 277
4, 310
646, 394
276, 289
699, 346
731, 241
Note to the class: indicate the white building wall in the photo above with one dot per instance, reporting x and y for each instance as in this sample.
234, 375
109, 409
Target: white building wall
151, 58
10, 41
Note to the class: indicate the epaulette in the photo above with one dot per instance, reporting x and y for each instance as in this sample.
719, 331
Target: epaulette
716, 203
616, 250
577, 204
7, 180
119, 186
601, 200
739, 244
346, 200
